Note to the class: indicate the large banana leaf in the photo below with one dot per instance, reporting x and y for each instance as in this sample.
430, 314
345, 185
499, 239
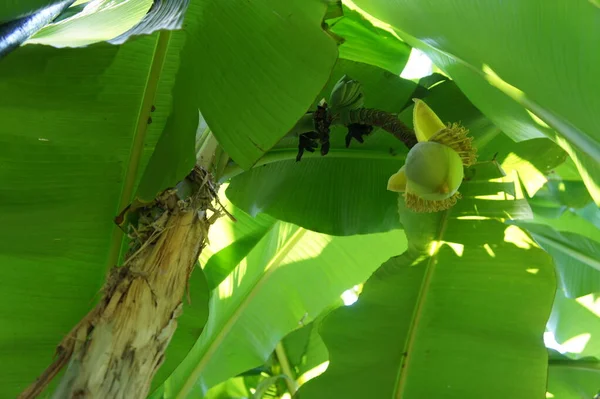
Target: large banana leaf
575, 324
163, 15
563, 225
117, 21
264, 63
75, 139
369, 44
572, 379
459, 315
79, 126
543, 92
577, 258
305, 349
98, 21
286, 279
233, 388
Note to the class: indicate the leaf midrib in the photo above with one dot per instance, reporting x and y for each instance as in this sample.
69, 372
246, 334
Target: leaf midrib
139, 137
416, 318
574, 252
280, 155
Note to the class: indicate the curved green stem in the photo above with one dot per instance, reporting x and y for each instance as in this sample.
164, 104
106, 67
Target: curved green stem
286, 368
385, 120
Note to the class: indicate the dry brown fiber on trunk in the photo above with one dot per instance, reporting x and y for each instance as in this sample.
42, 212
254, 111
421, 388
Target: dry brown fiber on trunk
117, 348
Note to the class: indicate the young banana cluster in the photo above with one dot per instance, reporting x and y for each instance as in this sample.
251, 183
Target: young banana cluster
434, 166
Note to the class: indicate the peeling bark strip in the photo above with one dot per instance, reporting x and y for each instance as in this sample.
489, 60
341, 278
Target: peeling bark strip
117, 348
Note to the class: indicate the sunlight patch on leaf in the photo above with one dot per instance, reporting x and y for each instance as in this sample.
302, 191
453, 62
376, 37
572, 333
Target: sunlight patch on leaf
591, 302
489, 250
499, 196
376, 22
532, 271
225, 289
473, 217
537, 120
577, 343
456, 247
518, 237
318, 244
530, 176
234, 280
312, 373
580, 162
434, 246
496, 81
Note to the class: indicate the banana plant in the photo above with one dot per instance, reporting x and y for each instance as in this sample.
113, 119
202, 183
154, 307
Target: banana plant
190, 187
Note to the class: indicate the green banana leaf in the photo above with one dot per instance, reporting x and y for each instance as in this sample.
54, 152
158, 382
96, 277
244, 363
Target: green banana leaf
369, 44
285, 280
563, 225
113, 21
162, 15
232, 242
572, 379
460, 319
75, 140
575, 324
577, 258
79, 128
99, 21
509, 57
262, 72
234, 388
305, 349
304, 352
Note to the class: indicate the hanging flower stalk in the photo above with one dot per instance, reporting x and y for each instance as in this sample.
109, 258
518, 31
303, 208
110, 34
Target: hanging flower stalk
345, 108
434, 167
438, 153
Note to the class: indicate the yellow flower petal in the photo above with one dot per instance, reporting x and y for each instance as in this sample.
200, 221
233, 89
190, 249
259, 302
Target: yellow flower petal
425, 121
397, 182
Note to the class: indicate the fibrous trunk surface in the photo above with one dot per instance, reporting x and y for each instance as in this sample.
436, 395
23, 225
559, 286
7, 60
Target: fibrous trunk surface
116, 349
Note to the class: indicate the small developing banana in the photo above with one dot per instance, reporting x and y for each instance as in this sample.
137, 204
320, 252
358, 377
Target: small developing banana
346, 95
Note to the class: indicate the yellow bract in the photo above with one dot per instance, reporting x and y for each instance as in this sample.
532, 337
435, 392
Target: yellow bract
425, 121
397, 182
